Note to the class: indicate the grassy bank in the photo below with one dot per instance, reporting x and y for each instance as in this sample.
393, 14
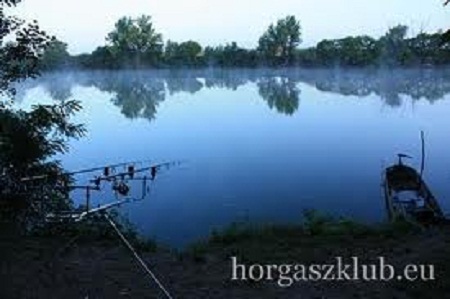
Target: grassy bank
100, 267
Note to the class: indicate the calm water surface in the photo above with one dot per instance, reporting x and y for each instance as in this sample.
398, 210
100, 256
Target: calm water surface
257, 146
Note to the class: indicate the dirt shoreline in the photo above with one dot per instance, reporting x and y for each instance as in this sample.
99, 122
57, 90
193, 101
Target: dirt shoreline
40, 267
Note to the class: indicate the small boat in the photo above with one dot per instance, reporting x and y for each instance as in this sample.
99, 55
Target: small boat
408, 196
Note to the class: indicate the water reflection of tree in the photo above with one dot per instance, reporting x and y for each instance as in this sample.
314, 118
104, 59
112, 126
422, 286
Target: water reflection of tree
431, 85
60, 88
57, 85
280, 93
139, 93
139, 100
136, 94
228, 79
183, 84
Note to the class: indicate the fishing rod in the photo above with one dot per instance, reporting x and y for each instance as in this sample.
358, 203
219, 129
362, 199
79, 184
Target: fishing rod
105, 168
131, 171
120, 185
120, 188
78, 217
120, 180
102, 210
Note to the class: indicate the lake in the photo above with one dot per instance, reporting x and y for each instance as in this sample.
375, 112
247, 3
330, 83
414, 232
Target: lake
255, 145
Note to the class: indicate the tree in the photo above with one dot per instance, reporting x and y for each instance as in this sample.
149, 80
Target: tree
191, 51
136, 42
55, 55
278, 43
19, 57
327, 52
230, 55
28, 139
394, 48
427, 49
357, 51
186, 53
171, 53
307, 57
104, 58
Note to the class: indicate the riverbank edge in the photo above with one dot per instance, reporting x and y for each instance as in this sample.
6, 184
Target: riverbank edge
204, 266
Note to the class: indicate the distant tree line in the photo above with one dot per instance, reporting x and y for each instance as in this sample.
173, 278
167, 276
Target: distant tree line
135, 43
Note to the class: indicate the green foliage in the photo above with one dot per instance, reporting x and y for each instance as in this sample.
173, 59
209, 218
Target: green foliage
55, 55
281, 243
29, 139
394, 47
231, 55
428, 49
19, 56
183, 54
314, 224
32, 137
278, 43
350, 51
102, 58
135, 42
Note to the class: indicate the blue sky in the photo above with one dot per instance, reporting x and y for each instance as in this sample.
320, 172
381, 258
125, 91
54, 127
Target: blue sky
84, 24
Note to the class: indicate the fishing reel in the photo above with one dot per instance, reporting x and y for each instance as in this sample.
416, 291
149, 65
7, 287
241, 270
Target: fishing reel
121, 181
122, 188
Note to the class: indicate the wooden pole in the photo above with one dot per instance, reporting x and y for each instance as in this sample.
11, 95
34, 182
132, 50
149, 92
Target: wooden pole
422, 167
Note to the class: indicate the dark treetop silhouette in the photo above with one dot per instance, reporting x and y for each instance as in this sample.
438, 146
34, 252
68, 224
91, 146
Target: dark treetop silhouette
29, 139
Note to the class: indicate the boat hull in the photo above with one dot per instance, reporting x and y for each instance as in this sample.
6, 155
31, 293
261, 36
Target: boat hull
408, 196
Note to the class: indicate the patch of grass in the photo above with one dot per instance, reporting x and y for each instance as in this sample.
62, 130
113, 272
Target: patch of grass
284, 242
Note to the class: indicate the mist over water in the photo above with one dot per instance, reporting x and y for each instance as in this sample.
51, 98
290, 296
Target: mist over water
257, 145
